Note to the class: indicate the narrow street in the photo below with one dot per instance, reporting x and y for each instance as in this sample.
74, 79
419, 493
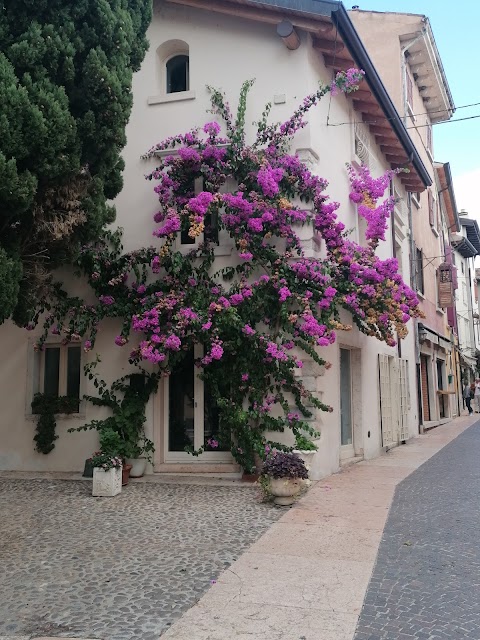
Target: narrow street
426, 581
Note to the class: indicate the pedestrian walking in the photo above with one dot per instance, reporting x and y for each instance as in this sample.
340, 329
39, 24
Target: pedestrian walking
477, 394
467, 396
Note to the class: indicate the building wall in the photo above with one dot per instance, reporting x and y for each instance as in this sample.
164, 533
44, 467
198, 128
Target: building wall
381, 33
237, 50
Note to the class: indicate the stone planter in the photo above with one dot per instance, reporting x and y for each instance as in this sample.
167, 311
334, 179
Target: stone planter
138, 467
107, 483
306, 455
284, 490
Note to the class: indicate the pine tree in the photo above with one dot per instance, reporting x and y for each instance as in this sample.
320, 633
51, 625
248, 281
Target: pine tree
65, 99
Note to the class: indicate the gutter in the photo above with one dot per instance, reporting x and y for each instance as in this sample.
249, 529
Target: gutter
349, 34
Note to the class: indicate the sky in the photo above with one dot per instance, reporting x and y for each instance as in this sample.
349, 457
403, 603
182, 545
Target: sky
455, 27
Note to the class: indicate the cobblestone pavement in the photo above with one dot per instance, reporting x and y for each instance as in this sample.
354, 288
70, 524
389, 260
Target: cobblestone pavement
426, 582
120, 568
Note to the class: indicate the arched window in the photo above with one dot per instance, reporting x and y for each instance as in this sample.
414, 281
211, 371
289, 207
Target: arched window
177, 74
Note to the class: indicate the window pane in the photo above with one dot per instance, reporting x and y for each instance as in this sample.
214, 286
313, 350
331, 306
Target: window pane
181, 405
211, 227
185, 238
211, 422
73, 372
177, 74
51, 371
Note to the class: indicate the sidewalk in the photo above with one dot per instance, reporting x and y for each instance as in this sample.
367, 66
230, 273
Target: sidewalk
306, 578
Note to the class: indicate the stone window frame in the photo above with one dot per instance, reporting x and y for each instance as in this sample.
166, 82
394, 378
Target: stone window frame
35, 374
165, 53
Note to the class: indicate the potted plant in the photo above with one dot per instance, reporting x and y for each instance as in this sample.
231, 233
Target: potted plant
305, 449
284, 474
47, 407
107, 474
111, 444
123, 433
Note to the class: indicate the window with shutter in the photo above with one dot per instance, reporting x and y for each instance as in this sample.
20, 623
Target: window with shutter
409, 87
431, 211
429, 137
419, 271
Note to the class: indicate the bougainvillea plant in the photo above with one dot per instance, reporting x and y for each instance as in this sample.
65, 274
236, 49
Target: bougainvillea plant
267, 306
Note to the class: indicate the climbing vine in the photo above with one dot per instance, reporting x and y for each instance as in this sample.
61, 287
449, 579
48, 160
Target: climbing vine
267, 309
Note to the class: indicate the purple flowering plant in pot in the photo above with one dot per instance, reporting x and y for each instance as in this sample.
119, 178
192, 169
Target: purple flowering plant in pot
259, 316
283, 476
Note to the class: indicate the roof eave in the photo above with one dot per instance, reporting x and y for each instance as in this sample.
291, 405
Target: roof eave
465, 248
349, 34
444, 87
473, 232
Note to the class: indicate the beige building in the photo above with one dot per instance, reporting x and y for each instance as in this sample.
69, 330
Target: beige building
402, 47
289, 50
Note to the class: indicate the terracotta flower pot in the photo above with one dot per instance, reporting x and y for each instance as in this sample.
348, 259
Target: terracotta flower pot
250, 477
125, 474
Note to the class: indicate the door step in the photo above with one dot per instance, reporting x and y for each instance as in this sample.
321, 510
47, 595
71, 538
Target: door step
349, 461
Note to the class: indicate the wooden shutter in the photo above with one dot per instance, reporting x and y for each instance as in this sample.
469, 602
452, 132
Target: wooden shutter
385, 400
431, 213
403, 435
409, 84
429, 137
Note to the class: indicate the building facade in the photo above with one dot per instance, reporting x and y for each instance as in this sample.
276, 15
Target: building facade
403, 48
289, 51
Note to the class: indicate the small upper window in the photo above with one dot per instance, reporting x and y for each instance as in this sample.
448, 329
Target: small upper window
178, 74
429, 137
57, 371
409, 88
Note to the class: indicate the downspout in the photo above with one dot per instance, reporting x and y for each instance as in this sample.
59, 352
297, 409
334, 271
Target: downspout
394, 252
415, 325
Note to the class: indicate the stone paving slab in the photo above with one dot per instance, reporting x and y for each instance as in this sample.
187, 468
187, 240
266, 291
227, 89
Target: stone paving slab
122, 568
306, 577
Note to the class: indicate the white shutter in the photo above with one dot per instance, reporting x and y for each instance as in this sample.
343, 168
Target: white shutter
386, 409
403, 399
363, 149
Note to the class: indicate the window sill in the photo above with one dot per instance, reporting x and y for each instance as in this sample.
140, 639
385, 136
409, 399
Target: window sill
440, 311
420, 295
416, 202
429, 154
222, 251
435, 232
171, 97
59, 416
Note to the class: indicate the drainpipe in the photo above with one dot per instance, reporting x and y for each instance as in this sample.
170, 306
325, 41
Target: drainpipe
394, 253
413, 257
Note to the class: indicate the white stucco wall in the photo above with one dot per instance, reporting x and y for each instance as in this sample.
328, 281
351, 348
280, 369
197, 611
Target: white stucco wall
223, 52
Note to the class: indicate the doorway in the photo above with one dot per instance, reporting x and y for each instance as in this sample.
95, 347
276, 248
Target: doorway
189, 417
425, 382
441, 387
346, 406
